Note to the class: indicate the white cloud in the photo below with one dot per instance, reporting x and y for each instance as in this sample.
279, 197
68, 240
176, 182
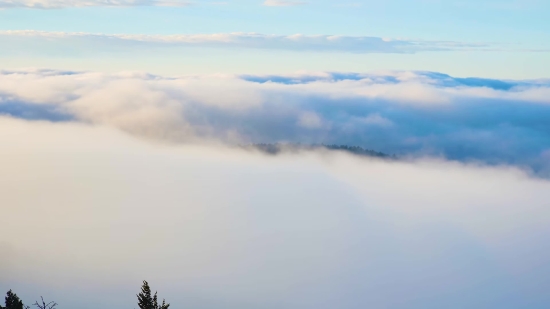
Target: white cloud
56, 4
296, 42
414, 113
88, 211
283, 3
376, 120
310, 120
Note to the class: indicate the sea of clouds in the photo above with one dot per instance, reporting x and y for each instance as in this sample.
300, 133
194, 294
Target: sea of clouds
88, 212
110, 179
403, 113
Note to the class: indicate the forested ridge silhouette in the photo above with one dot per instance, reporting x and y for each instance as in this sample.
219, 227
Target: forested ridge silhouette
277, 148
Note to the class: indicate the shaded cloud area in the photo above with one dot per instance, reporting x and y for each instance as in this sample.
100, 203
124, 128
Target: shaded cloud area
88, 212
58, 4
33, 112
22, 41
410, 114
439, 79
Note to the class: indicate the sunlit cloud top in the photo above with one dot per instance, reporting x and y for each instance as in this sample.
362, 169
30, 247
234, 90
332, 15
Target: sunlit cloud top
404, 113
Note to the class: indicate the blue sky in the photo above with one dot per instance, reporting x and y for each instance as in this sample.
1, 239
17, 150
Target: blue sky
516, 35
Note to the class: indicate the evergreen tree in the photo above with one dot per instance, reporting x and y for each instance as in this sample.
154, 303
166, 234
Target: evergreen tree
13, 301
146, 301
144, 298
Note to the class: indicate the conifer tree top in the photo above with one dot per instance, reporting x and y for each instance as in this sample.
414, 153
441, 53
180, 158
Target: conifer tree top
146, 301
12, 301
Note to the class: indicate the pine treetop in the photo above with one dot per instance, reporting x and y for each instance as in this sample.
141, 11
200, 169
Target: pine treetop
12, 301
146, 301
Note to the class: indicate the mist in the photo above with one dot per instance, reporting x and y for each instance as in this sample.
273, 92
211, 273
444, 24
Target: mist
89, 211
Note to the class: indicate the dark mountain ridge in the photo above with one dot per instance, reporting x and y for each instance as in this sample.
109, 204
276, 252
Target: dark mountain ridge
277, 148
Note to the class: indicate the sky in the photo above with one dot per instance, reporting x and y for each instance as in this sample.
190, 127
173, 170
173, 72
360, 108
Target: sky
498, 39
126, 129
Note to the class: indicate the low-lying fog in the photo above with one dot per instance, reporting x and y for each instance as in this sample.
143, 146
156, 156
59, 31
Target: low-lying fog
88, 212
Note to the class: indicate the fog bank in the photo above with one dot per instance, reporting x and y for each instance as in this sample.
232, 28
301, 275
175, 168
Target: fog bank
89, 211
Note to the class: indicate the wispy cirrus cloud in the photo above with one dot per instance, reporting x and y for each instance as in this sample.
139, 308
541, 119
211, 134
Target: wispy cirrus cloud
57, 4
283, 3
296, 42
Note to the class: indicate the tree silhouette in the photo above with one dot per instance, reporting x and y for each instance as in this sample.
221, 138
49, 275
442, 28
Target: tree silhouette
12, 301
145, 301
50, 305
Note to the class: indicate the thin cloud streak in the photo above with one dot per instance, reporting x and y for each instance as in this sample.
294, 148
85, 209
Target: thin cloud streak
283, 3
58, 4
296, 42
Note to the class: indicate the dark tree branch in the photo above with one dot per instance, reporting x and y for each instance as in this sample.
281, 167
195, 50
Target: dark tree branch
50, 305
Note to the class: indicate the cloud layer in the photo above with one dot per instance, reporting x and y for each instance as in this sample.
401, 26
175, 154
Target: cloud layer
89, 212
403, 113
298, 42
